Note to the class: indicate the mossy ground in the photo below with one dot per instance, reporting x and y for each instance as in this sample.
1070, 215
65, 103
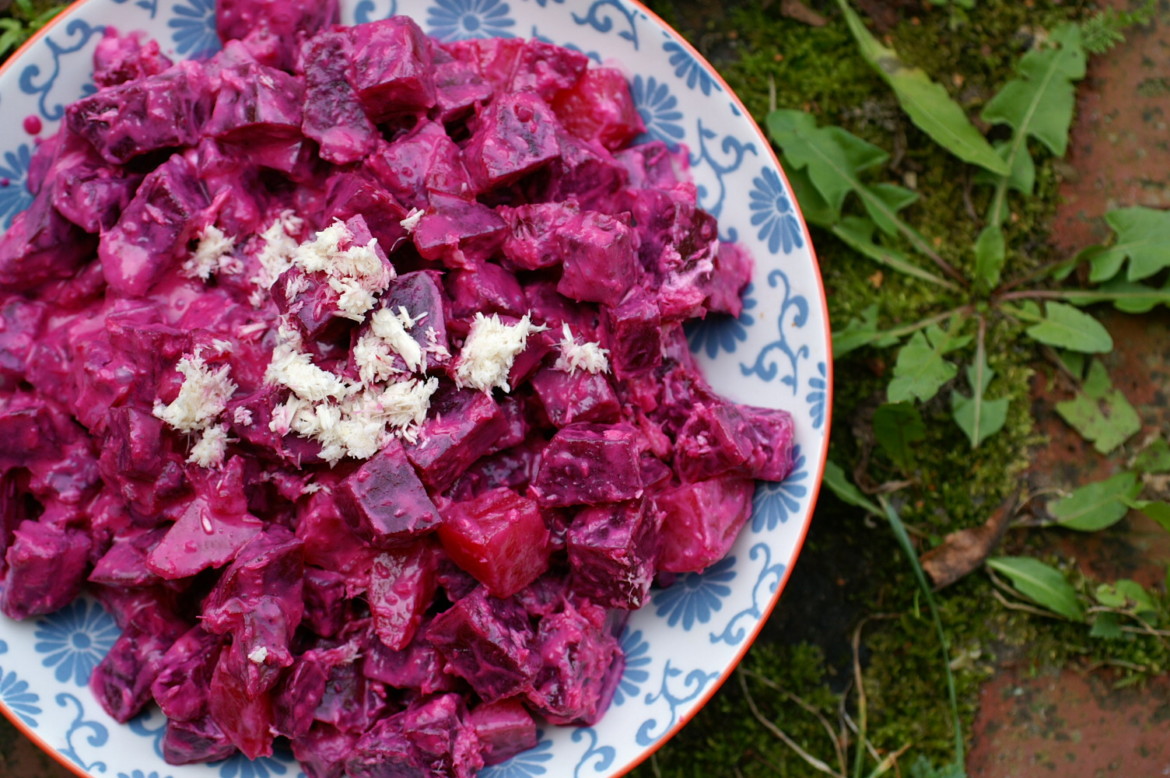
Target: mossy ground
851, 567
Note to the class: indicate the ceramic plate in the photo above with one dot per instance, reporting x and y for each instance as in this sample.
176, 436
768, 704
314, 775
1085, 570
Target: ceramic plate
687, 639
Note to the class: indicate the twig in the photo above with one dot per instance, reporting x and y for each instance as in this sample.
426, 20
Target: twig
1019, 606
834, 738
811, 760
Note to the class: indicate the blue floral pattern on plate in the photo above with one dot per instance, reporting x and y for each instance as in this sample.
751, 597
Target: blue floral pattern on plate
74, 640
14, 194
452, 20
18, 697
777, 353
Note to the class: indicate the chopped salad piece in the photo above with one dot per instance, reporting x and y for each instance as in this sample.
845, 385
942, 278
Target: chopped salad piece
346, 369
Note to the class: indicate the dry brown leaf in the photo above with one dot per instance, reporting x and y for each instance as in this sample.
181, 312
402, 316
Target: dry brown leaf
963, 551
794, 9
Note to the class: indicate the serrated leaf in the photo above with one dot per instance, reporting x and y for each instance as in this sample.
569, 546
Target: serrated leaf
813, 206
1106, 626
1143, 237
1097, 505
1066, 327
833, 160
990, 252
845, 490
1041, 583
897, 427
926, 103
1099, 412
921, 368
860, 332
1040, 103
857, 233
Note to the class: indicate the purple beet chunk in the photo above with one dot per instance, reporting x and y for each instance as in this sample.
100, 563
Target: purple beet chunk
280, 24
701, 520
326, 610
122, 58
124, 564
21, 321
418, 666
255, 102
574, 397
486, 288
246, 719
463, 425
184, 675
313, 309
300, 692
577, 663
402, 586
723, 437
546, 69
516, 134
385, 752
613, 553
635, 335
87, 190
421, 295
201, 539
585, 172
352, 193
733, 272
198, 740
121, 682
487, 642
438, 727
600, 259
155, 227
423, 162
133, 442
458, 87
46, 568
513, 467
504, 728
351, 702
323, 750
531, 240
271, 565
586, 464
385, 502
458, 232
148, 114
41, 245
392, 68
333, 114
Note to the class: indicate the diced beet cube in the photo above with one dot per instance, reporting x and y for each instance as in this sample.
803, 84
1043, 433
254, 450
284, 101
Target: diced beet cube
385, 751
418, 666
323, 750
357, 193
184, 675
546, 69
143, 246
198, 740
270, 565
87, 190
513, 467
733, 272
635, 335
613, 551
384, 501
517, 134
201, 539
574, 684
296, 699
701, 520
21, 322
133, 442
326, 609
122, 680
493, 58
402, 585
599, 107
423, 162
121, 58
438, 728
487, 642
124, 564
421, 295
333, 114
458, 232
531, 240
255, 102
585, 172
162, 111
486, 288
458, 87
462, 426
572, 397
724, 437
599, 257
351, 702
331, 544
282, 25
499, 537
245, 719
504, 728
392, 67
586, 464
310, 304
46, 568
41, 246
